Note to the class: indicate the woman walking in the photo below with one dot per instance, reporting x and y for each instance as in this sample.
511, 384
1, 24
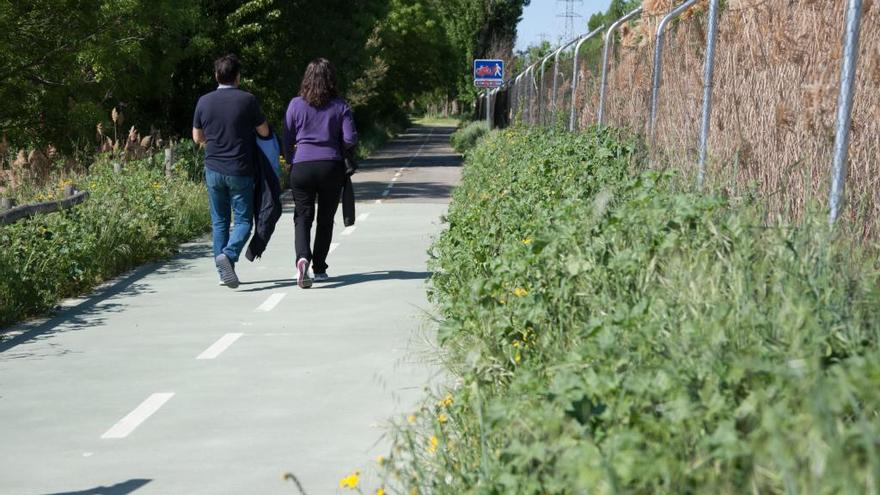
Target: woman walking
319, 129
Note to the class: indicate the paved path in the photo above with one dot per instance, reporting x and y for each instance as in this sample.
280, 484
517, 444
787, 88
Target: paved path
165, 383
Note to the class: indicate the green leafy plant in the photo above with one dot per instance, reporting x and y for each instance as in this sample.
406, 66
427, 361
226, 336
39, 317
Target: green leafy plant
467, 137
609, 333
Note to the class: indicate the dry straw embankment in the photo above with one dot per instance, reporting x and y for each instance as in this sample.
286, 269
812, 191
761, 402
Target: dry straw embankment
774, 102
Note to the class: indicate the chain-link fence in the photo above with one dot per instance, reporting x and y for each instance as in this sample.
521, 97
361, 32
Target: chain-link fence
768, 115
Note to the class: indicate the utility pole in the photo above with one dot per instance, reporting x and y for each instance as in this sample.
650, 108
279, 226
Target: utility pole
570, 14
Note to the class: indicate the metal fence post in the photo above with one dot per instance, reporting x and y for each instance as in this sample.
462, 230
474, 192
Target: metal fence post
556, 74
609, 37
658, 63
574, 77
532, 87
541, 91
708, 72
844, 107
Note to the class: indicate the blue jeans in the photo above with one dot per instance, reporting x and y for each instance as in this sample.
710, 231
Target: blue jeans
230, 195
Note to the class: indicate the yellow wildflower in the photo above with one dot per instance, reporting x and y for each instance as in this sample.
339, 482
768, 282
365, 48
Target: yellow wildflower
350, 481
520, 292
527, 241
517, 358
411, 419
380, 491
433, 446
380, 459
446, 402
442, 418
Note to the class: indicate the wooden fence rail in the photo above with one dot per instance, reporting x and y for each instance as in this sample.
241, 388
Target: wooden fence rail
26, 211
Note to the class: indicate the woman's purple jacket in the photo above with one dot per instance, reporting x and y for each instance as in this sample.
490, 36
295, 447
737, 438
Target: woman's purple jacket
318, 133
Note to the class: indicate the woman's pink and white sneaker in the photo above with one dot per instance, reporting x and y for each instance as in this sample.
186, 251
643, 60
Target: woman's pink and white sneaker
302, 274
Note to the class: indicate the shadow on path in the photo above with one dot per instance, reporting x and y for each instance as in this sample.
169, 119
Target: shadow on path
123, 488
92, 310
361, 278
336, 282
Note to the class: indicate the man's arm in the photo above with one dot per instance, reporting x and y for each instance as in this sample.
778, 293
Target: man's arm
198, 136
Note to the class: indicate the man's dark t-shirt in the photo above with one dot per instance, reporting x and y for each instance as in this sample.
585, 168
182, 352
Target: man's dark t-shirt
229, 117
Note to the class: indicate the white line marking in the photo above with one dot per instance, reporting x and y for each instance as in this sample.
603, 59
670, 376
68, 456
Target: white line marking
333, 246
273, 301
349, 230
129, 423
394, 179
362, 217
221, 345
386, 192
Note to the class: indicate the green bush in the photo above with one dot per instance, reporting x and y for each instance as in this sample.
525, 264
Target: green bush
130, 218
608, 334
466, 138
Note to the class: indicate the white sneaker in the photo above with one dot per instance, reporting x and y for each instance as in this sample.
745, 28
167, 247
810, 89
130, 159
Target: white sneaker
302, 274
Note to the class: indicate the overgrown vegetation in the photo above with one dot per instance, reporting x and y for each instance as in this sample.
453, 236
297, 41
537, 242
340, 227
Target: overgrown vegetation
466, 138
609, 334
131, 217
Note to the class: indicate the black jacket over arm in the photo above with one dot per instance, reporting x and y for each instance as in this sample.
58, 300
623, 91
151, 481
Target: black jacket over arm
267, 204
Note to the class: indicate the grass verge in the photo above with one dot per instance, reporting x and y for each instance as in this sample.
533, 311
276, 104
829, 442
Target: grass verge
610, 334
130, 218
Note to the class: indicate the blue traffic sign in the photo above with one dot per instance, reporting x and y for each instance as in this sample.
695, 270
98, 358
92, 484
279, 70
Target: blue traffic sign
488, 73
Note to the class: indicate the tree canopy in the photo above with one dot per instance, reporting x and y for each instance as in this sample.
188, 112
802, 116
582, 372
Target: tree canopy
67, 63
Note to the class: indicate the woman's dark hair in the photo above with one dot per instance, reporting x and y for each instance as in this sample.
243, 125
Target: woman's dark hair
227, 68
319, 83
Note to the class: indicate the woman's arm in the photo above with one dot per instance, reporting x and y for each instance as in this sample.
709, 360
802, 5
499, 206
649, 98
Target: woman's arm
349, 131
289, 137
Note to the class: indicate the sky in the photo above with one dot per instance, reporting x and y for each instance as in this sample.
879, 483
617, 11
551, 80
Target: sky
540, 18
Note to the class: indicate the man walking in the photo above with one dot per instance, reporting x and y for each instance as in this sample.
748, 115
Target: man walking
225, 121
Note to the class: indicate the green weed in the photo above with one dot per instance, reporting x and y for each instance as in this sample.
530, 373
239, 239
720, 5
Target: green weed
467, 137
611, 334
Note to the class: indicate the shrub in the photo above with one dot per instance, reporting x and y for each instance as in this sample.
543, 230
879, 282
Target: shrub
609, 334
467, 137
130, 218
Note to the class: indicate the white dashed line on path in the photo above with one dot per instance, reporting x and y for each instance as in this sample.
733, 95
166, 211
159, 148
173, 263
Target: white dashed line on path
270, 303
333, 246
362, 217
129, 423
387, 192
221, 345
349, 230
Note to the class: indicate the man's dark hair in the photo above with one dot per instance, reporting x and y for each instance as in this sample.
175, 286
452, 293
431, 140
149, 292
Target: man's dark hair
227, 68
319, 84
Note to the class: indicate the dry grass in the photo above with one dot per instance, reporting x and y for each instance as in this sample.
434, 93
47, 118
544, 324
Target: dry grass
774, 102
36, 167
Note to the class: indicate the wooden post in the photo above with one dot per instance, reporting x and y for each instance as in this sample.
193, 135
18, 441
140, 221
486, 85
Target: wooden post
169, 161
6, 204
117, 167
69, 190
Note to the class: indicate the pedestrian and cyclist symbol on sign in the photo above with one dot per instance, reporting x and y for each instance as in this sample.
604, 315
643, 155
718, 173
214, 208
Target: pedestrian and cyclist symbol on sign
488, 73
